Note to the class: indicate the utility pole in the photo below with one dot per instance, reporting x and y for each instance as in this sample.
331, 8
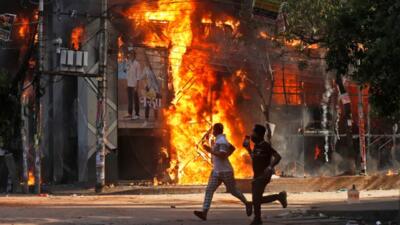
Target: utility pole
346, 101
361, 128
25, 141
102, 101
38, 131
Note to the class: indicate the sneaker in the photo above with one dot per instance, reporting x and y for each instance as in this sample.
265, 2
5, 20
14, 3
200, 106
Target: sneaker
135, 117
256, 221
283, 199
202, 215
128, 116
249, 208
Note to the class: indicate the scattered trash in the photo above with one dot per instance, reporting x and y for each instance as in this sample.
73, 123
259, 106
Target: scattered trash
43, 195
342, 190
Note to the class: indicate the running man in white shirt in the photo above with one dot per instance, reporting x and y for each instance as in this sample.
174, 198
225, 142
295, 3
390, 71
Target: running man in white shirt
222, 172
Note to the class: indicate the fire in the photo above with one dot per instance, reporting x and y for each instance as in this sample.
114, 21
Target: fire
289, 43
233, 24
242, 78
293, 43
120, 52
317, 152
206, 20
313, 46
202, 96
24, 27
287, 89
31, 179
76, 37
390, 173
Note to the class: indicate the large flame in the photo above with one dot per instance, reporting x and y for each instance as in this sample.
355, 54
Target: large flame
202, 95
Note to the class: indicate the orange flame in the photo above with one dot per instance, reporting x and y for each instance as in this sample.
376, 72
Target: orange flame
120, 52
76, 37
31, 179
287, 89
317, 152
196, 104
24, 27
390, 173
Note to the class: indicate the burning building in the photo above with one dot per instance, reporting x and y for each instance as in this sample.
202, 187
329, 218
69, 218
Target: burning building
222, 71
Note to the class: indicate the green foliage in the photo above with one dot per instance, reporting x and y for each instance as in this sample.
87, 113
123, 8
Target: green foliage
9, 110
307, 19
364, 42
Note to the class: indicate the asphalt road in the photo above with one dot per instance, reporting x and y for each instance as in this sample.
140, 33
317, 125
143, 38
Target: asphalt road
177, 209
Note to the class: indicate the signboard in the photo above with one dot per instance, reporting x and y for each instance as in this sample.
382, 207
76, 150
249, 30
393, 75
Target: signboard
267, 8
6, 24
141, 106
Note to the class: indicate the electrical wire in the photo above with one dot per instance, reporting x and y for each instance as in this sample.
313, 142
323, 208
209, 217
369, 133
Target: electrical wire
155, 2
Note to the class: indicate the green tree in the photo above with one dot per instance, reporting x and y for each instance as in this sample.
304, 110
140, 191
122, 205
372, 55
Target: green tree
307, 19
364, 42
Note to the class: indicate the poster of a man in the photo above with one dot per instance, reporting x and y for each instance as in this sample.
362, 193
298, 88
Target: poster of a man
141, 74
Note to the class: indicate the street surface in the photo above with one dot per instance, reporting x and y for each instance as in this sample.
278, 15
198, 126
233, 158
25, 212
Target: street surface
177, 209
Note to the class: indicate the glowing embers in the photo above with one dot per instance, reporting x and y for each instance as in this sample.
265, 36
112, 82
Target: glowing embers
391, 172
317, 152
31, 179
121, 55
23, 30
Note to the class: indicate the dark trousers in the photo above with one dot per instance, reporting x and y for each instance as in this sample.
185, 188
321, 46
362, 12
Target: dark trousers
133, 96
258, 187
147, 112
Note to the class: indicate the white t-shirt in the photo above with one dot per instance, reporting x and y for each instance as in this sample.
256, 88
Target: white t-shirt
219, 164
133, 73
